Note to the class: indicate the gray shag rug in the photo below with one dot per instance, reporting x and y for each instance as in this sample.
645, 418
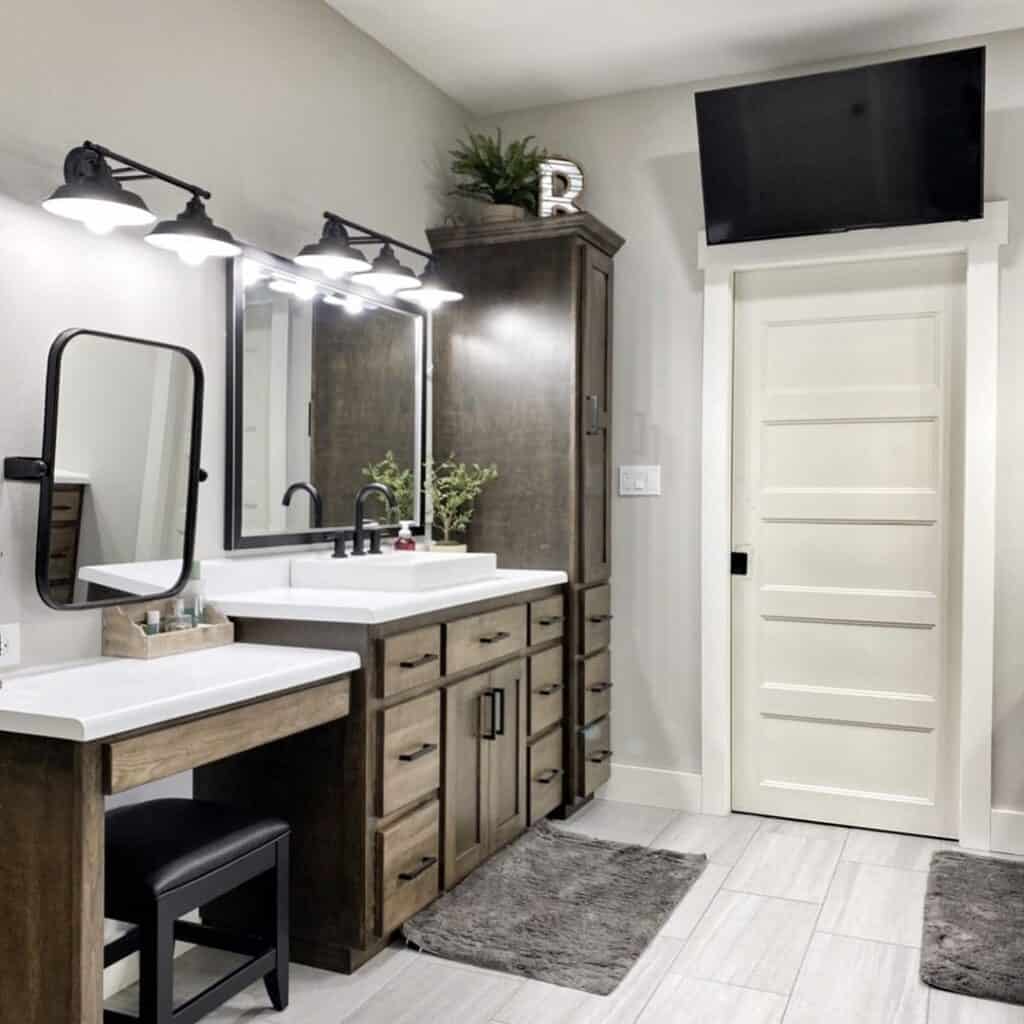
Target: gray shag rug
558, 907
974, 926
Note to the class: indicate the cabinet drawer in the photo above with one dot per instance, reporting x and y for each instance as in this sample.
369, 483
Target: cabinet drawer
546, 772
596, 754
483, 638
410, 660
63, 540
547, 619
411, 752
547, 689
408, 852
67, 505
597, 686
595, 612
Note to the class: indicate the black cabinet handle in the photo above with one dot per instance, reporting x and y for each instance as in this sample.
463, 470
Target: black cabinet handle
500, 703
599, 687
491, 695
599, 756
594, 410
600, 618
494, 638
426, 863
549, 620
415, 755
549, 776
546, 691
423, 659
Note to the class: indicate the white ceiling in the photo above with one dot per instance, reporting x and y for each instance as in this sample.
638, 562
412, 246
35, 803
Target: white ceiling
498, 55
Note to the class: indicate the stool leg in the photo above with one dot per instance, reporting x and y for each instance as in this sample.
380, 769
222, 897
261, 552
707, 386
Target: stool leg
277, 980
156, 968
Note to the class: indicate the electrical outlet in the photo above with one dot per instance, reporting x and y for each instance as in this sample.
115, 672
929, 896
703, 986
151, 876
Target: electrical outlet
10, 645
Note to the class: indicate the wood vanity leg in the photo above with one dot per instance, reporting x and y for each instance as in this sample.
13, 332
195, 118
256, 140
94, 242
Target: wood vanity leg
51, 881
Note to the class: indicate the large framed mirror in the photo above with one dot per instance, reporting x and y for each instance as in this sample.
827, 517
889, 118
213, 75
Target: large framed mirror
119, 474
327, 391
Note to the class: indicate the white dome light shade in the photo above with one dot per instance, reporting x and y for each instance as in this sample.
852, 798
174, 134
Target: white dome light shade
333, 255
388, 276
352, 304
432, 292
193, 236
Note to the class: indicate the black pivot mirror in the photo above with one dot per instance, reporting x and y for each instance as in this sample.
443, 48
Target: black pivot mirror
119, 474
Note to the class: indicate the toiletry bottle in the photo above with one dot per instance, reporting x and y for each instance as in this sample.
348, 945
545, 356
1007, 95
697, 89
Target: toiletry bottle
194, 595
179, 618
404, 541
152, 626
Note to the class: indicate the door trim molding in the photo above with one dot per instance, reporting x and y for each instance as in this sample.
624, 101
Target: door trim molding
980, 240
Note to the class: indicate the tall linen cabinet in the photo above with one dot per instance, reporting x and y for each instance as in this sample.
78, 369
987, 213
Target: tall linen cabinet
522, 379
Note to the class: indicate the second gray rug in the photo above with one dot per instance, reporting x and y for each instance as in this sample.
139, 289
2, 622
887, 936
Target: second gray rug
974, 926
559, 907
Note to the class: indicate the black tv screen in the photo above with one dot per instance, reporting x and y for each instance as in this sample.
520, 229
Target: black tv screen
896, 143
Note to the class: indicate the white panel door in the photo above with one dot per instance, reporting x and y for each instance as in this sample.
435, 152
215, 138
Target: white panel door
846, 440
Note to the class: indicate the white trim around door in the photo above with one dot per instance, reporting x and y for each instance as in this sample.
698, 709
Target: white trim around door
980, 240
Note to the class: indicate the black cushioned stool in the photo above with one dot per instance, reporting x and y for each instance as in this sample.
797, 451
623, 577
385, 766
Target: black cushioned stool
165, 858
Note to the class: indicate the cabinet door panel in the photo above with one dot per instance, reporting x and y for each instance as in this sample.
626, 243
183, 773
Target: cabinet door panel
508, 794
467, 765
595, 416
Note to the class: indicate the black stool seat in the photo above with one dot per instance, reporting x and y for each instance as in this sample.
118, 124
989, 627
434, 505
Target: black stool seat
157, 846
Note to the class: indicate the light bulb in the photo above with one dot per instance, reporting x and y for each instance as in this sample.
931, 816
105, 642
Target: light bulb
252, 273
99, 227
352, 304
304, 290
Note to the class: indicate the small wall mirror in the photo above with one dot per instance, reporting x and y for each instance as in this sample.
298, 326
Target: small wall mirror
326, 393
120, 471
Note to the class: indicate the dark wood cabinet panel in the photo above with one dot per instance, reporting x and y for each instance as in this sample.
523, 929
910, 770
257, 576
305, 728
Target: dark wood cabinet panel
508, 793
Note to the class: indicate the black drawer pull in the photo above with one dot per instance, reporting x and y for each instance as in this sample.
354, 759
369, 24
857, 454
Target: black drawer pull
599, 756
600, 618
62, 508
426, 748
60, 554
546, 691
423, 659
549, 776
492, 732
494, 638
599, 687
549, 620
426, 863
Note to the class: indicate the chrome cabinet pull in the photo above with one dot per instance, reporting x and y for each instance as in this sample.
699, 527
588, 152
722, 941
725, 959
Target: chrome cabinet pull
415, 755
423, 659
426, 863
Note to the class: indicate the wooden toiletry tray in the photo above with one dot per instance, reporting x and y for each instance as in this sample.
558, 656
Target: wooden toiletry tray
124, 637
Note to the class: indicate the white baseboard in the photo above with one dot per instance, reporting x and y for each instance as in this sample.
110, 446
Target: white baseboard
678, 791
1007, 831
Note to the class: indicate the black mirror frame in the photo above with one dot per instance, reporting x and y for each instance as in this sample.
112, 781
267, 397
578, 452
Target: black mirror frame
42, 470
234, 539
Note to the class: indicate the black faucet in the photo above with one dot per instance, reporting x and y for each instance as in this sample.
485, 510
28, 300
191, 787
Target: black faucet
359, 533
314, 497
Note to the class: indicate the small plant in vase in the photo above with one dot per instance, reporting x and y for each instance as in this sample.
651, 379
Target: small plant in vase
453, 488
505, 177
387, 471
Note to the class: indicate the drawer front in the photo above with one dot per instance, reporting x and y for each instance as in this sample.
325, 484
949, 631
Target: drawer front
410, 660
547, 619
595, 607
546, 775
483, 638
596, 754
408, 854
62, 553
411, 752
597, 687
67, 505
547, 689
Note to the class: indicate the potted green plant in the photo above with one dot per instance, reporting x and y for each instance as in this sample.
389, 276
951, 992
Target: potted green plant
387, 471
453, 488
505, 178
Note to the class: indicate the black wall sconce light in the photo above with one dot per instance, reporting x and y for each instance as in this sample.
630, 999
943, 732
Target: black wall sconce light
338, 254
93, 193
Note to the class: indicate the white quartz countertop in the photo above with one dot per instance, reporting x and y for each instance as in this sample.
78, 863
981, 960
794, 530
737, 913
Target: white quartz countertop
142, 578
93, 699
372, 606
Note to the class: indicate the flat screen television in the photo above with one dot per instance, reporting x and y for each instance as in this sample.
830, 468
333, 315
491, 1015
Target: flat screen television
877, 146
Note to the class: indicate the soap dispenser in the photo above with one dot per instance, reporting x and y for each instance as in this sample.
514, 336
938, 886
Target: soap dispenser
405, 541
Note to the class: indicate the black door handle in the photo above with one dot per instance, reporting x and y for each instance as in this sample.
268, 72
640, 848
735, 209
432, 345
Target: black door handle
492, 733
426, 863
415, 755
594, 410
423, 659
499, 695
738, 563
493, 638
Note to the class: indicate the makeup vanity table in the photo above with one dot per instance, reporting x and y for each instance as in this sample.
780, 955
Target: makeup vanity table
71, 735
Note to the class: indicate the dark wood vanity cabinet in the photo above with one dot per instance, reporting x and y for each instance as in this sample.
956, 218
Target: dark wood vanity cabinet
522, 378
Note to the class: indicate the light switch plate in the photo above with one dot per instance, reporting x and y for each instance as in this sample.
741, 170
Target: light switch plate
639, 481
10, 645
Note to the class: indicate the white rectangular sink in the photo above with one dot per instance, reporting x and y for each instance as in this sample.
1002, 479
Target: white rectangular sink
402, 571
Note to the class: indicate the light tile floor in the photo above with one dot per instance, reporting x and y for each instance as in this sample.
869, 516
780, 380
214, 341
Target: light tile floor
790, 922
